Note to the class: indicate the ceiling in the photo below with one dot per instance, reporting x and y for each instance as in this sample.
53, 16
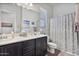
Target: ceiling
54, 4
50, 4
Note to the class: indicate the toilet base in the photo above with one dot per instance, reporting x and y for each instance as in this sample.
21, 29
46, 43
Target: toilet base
57, 52
51, 50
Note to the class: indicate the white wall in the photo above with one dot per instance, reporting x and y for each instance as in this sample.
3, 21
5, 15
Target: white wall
62, 9
48, 8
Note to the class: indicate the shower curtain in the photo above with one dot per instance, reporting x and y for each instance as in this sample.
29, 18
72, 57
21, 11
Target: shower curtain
62, 32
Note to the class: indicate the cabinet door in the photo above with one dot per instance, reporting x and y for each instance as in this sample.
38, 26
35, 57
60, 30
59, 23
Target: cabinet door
10, 50
38, 47
29, 48
44, 45
6, 51
18, 49
3, 51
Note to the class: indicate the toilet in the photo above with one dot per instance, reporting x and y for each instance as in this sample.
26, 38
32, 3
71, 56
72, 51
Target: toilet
51, 47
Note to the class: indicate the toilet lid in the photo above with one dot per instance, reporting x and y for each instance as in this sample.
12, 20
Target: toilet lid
50, 43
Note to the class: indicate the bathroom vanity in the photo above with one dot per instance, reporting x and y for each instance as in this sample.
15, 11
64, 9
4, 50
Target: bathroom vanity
24, 46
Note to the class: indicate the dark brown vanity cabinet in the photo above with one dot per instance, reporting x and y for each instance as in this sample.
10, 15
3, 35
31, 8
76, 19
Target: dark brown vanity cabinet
33, 47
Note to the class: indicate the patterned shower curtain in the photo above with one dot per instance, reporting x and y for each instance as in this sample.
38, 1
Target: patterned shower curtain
62, 32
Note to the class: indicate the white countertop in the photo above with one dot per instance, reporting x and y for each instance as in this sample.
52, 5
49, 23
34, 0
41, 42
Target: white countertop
19, 39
